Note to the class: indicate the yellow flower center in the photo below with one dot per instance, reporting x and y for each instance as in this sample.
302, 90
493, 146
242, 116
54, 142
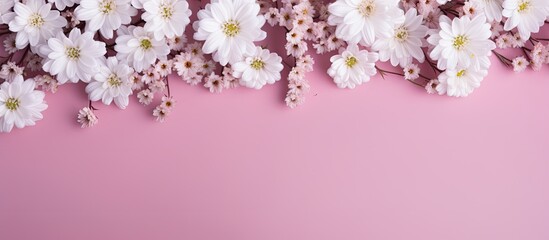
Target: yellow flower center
107, 6
366, 8
145, 44
114, 81
401, 34
351, 61
36, 20
231, 28
166, 11
523, 6
460, 73
12, 104
257, 64
460, 41
73, 53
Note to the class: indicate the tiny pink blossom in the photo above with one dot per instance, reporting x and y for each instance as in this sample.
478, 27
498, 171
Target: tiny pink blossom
520, 64
214, 83
145, 97
161, 112
87, 118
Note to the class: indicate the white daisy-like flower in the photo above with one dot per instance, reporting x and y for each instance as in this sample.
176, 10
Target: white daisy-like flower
112, 82
6, 13
74, 58
258, 69
492, 8
139, 48
20, 104
361, 21
229, 29
460, 82
405, 43
62, 4
166, 18
461, 40
526, 15
105, 15
35, 22
352, 67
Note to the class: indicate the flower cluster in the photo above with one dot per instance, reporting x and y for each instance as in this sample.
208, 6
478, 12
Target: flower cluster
121, 48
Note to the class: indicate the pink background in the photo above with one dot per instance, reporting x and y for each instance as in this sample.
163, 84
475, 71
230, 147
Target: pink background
385, 161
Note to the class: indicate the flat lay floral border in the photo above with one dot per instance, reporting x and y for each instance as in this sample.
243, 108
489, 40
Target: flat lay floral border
124, 48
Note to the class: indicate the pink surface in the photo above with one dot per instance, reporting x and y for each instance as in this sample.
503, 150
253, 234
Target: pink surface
383, 162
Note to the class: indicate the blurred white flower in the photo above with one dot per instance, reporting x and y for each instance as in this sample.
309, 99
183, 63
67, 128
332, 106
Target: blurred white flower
6, 11
526, 15
62, 4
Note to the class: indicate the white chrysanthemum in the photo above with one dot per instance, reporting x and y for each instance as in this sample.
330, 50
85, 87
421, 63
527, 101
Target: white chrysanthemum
258, 69
20, 104
461, 41
405, 43
361, 21
460, 82
166, 18
105, 15
139, 48
62, 4
229, 28
6, 13
35, 22
352, 67
112, 82
491, 8
74, 58
526, 15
